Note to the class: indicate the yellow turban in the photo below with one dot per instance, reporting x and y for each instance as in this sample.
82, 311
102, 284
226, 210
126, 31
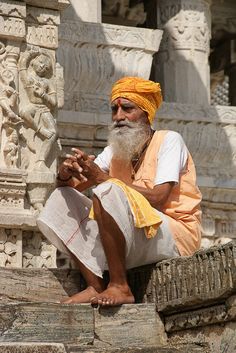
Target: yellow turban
145, 93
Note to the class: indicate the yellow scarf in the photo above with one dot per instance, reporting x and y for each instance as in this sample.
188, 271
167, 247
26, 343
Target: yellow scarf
145, 216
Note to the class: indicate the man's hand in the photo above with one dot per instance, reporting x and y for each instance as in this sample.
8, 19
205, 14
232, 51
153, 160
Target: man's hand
87, 168
70, 168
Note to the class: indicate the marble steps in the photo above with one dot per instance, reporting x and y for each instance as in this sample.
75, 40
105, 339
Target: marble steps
25, 347
80, 326
33, 321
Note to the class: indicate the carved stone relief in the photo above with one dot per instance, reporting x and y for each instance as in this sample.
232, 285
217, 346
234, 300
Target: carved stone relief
38, 102
10, 122
197, 318
10, 247
31, 90
37, 251
205, 276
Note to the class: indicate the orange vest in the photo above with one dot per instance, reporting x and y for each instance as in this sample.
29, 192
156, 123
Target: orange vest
182, 207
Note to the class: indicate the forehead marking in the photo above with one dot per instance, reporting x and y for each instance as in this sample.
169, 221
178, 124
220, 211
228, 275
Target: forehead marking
119, 102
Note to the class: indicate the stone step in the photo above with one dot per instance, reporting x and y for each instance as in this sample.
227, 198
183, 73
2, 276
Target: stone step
38, 285
34, 347
46, 322
79, 324
23, 347
174, 285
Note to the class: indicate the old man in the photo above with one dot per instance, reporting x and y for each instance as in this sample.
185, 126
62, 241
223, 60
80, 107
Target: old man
145, 205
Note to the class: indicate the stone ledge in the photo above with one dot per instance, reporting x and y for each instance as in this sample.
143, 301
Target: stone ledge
60, 348
193, 348
44, 322
216, 314
179, 284
175, 285
207, 277
32, 348
38, 285
80, 325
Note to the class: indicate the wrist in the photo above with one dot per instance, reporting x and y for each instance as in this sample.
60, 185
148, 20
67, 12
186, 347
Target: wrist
102, 179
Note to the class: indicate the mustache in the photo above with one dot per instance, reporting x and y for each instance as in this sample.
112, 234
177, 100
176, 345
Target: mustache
118, 124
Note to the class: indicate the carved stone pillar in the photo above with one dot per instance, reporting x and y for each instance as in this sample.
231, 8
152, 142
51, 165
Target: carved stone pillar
181, 65
31, 90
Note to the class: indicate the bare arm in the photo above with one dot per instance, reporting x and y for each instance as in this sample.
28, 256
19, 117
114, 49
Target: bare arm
156, 196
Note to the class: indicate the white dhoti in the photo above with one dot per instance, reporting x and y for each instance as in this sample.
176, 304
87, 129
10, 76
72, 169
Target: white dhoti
65, 223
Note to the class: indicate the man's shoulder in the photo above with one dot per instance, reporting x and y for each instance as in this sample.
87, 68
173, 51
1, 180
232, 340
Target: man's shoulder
169, 136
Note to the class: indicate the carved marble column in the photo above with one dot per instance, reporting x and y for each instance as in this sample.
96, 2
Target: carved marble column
181, 65
31, 90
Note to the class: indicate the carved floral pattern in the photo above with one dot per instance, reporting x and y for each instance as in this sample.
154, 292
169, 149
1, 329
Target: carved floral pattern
10, 247
37, 251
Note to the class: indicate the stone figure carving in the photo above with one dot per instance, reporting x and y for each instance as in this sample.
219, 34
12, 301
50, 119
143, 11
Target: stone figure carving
11, 150
8, 96
36, 74
10, 121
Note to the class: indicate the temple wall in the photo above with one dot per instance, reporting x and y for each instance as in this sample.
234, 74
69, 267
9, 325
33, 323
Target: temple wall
31, 91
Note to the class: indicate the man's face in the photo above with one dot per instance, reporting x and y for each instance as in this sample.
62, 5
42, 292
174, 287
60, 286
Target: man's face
123, 109
130, 129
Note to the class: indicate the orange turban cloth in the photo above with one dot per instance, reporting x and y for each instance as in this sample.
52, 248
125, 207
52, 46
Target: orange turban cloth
145, 93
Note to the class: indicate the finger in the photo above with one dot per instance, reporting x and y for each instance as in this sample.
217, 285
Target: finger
71, 157
86, 163
92, 157
77, 167
67, 165
79, 153
83, 178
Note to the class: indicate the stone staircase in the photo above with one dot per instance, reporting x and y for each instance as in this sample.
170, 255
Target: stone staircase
173, 298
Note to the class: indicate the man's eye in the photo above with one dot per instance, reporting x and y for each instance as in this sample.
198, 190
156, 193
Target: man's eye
127, 109
114, 108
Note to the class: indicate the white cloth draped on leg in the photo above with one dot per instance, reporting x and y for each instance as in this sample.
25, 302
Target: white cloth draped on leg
64, 221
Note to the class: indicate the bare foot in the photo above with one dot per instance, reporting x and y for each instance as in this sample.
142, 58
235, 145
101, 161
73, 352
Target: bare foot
82, 297
114, 295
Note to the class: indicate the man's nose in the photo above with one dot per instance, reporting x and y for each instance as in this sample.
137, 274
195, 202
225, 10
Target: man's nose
120, 115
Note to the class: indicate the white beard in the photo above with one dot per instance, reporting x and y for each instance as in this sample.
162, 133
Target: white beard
127, 139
